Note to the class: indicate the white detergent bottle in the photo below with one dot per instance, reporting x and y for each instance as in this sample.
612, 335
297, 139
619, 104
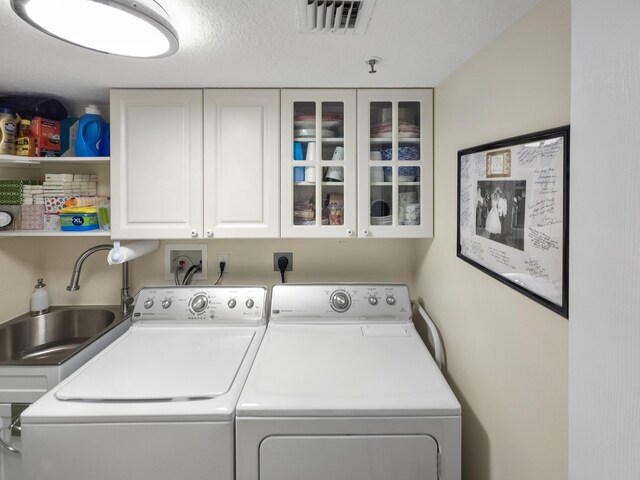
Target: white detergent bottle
39, 299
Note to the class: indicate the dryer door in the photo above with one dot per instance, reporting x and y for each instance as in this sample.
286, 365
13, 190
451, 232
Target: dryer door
352, 457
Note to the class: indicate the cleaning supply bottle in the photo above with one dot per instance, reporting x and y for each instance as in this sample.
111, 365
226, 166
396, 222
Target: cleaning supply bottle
104, 149
8, 131
40, 299
91, 127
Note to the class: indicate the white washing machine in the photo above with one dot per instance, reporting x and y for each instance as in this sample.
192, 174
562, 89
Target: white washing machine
159, 402
343, 388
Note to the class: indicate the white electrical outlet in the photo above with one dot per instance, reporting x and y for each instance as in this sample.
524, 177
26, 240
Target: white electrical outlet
189, 254
223, 258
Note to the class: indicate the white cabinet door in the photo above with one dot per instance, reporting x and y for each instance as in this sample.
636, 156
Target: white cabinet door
241, 163
318, 155
395, 163
156, 163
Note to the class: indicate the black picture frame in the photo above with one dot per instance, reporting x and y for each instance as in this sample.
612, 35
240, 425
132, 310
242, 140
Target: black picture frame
513, 213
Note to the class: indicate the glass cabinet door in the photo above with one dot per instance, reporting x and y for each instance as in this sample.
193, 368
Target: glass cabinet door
395, 163
318, 163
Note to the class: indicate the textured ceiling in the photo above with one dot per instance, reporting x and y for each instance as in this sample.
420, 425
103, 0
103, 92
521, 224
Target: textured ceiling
256, 43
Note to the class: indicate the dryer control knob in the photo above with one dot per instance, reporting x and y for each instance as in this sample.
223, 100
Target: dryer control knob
148, 303
249, 303
199, 303
166, 303
373, 300
231, 303
391, 300
340, 301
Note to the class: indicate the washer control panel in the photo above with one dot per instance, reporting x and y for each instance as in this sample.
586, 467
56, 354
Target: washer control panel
201, 303
340, 302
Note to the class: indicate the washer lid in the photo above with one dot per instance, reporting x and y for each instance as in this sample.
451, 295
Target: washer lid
345, 370
163, 364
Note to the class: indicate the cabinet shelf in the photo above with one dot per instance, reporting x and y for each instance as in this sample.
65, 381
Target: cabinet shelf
389, 184
16, 161
54, 233
383, 140
323, 140
313, 184
22, 162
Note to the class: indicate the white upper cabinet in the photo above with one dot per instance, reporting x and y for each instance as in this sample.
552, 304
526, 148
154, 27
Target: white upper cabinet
395, 163
241, 163
194, 164
318, 155
156, 164
263, 163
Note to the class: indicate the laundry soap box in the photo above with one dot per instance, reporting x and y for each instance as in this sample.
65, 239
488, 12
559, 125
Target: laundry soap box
79, 219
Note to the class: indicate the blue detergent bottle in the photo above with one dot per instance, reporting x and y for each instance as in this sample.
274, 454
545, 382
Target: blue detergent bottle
104, 149
91, 127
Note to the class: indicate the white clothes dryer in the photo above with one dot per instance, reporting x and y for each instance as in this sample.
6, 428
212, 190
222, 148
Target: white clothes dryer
343, 388
159, 402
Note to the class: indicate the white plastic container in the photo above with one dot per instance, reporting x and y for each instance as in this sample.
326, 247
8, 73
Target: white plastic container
40, 299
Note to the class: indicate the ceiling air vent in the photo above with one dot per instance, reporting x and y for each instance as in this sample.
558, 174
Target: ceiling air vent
324, 16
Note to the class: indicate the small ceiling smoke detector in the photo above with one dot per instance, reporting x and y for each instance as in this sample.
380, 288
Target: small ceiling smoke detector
327, 16
121, 27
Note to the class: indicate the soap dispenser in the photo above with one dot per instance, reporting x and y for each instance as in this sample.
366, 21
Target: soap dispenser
39, 299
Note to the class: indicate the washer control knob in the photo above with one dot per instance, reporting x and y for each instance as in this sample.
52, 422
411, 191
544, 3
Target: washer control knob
249, 303
166, 303
391, 300
231, 303
373, 300
199, 303
148, 303
340, 301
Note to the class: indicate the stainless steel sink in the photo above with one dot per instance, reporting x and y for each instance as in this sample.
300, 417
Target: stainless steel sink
54, 337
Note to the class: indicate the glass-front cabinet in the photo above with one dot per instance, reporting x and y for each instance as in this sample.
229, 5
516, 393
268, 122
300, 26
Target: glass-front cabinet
357, 163
318, 155
395, 163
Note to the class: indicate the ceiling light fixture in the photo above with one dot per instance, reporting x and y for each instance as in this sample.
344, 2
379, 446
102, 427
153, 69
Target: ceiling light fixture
119, 27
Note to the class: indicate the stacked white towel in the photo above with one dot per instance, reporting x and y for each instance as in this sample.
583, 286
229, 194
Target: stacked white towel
33, 195
70, 185
58, 177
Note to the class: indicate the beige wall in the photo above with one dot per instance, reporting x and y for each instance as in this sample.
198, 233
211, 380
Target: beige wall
507, 355
251, 262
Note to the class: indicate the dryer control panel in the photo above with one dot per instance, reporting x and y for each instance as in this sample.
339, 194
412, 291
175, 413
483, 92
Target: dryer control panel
201, 303
339, 303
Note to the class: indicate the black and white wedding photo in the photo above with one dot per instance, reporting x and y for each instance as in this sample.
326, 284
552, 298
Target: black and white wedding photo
500, 211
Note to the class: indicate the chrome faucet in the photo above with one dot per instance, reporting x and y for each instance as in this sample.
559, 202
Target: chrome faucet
125, 299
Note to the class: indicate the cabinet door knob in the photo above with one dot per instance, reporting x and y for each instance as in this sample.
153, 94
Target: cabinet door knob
365, 232
349, 232
194, 233
209, 233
